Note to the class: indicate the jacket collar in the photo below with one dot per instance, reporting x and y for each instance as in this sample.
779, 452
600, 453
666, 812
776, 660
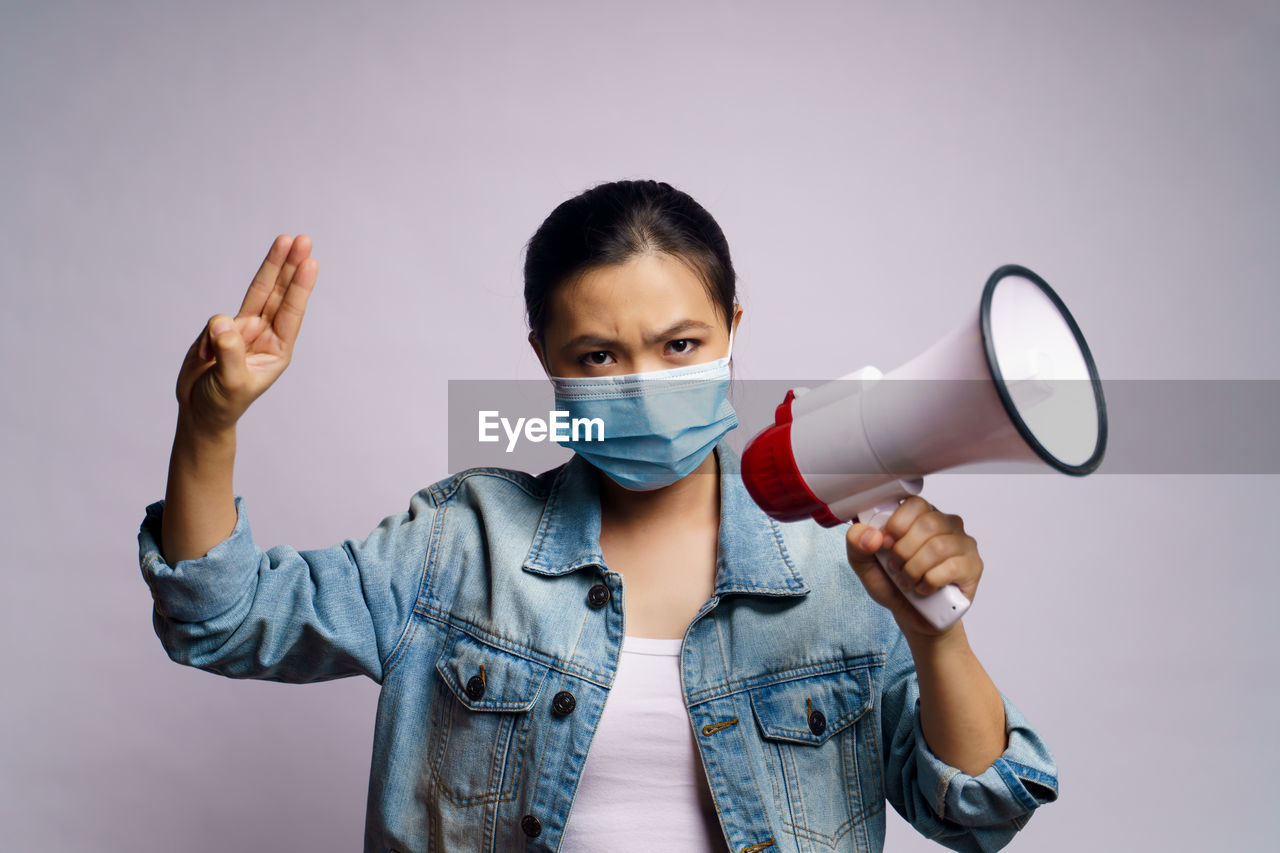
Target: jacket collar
751, 557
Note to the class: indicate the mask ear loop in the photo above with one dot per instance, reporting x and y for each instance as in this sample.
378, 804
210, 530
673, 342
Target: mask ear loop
729, 356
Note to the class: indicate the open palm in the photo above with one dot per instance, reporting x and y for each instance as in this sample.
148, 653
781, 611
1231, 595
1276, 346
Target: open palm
234, 360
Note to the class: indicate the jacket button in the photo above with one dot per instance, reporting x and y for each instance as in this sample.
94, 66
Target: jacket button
817, 722
563, 704
531, 825
475, 687
598, 595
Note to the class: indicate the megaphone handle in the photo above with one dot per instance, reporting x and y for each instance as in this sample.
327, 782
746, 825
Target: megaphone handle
942, 607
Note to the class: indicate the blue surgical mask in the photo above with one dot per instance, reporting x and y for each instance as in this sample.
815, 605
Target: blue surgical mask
658, 425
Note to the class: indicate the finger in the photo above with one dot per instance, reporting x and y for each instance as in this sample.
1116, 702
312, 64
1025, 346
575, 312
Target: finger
878, 585
959, 570
250, 327
925, 523
881, 588
231, 370
264, 281
289, 318
866, 547
892, 565
905, 515
217, 324
866, 565
934, 552
297, 254
862, 541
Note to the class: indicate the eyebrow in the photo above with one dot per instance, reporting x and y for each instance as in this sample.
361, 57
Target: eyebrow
607, 343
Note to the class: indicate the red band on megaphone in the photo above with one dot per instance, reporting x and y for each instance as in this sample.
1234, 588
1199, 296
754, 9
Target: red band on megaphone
773, 479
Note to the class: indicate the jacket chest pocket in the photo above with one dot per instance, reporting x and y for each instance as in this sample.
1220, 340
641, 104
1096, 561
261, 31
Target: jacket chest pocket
479, 723
820, 736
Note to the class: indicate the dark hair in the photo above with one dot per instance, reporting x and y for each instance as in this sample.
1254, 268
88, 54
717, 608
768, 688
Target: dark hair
614, 222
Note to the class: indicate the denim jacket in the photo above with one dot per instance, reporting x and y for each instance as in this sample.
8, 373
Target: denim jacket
489, 618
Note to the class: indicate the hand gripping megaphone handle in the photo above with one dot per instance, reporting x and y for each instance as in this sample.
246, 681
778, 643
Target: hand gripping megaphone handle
942, 607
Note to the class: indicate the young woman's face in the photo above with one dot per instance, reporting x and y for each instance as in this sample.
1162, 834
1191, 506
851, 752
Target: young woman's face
651, 313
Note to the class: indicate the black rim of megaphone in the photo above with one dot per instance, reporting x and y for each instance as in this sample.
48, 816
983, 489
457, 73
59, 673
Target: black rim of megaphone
994, 366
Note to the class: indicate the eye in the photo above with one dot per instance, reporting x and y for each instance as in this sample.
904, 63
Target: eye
599, 358
683, 346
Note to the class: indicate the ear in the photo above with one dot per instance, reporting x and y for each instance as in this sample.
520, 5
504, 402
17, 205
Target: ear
733, 327
537, 351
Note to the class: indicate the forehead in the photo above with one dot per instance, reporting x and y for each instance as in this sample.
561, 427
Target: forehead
647, 292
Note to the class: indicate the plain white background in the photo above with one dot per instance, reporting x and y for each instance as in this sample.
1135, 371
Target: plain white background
871, 164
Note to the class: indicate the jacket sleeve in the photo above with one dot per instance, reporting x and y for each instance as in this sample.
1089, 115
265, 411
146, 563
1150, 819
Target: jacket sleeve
963, 812
287, 615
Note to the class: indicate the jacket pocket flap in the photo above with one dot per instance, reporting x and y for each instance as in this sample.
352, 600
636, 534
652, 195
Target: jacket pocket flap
810, 709
487, 678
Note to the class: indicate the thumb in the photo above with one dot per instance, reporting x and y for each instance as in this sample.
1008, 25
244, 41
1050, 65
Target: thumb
229, 349
862, 542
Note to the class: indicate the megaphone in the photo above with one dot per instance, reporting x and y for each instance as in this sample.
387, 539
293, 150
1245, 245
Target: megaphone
1015, 382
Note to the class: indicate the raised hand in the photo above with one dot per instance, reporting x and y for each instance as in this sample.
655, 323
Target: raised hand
234, 360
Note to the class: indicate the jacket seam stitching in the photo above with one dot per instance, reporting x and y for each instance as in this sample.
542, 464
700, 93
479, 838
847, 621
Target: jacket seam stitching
424, 583
1031, 774
529, 654
729, 688
782, 548
519, 479
551, 500
1015, 786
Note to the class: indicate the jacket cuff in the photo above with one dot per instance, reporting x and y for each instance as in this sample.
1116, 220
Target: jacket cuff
205, 587
1022, 779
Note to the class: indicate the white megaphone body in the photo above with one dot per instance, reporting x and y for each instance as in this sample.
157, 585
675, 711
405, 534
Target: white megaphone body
1015, 382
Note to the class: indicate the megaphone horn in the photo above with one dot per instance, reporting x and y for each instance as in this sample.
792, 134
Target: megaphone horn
1015, 382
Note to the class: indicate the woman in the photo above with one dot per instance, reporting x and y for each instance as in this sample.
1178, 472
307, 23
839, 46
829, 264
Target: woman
760, 693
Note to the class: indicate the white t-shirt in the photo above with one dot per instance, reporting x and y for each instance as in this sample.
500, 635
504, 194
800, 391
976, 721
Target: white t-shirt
640, 787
